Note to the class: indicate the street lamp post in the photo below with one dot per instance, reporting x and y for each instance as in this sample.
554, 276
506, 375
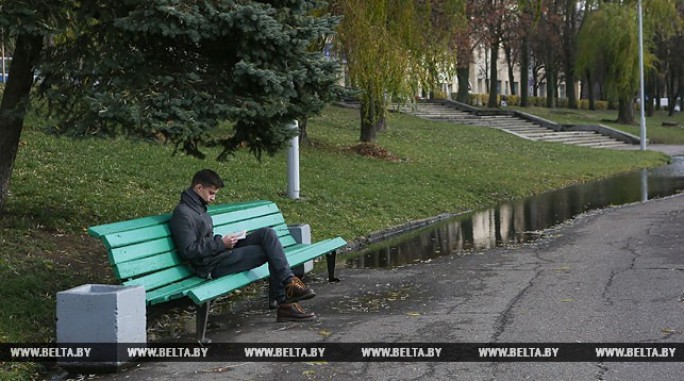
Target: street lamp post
642, 102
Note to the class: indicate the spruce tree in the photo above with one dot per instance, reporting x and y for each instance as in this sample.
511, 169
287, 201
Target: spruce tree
168, 69
176, 69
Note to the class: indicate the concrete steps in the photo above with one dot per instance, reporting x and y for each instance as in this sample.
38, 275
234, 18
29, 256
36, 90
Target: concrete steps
513, 124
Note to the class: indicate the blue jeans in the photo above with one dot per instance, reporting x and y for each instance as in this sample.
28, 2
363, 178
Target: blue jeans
259, 247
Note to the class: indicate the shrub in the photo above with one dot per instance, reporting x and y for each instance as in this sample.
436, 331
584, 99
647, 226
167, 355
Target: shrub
439, 94
603, 105
513, 100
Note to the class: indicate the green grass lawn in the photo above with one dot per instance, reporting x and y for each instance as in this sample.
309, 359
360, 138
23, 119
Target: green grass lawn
61, 186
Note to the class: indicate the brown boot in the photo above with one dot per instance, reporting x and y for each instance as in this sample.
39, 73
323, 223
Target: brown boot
293, 312
296, 290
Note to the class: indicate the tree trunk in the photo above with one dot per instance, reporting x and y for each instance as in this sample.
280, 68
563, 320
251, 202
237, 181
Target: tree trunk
372, 117
463, 93
303, 133
652, 94
551, 88
569, 50
524, 73
650, 104
570, 89
680, 95
15, 100
368, 130
511, 79
570, 85
493, 75
510, 64
672, 91
590, 92
625, 110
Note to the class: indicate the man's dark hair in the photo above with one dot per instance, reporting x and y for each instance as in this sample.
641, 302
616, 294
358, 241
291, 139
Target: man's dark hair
207, 178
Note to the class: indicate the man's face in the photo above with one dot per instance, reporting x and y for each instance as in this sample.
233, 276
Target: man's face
208, 194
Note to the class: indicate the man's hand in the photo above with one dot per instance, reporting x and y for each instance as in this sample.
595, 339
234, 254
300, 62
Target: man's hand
229, 241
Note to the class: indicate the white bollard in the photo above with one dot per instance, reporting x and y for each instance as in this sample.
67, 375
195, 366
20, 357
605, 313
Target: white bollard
293, 165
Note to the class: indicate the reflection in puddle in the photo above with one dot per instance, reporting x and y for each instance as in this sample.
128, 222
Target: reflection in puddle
521, 220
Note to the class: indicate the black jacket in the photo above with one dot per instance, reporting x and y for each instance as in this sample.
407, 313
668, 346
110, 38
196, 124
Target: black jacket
193, 233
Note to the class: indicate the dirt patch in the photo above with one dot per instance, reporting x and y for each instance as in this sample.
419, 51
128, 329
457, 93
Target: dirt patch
78, 254
371, 150
374, 151
71, 254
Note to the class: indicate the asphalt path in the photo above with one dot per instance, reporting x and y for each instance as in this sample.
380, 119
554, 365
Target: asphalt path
614, 275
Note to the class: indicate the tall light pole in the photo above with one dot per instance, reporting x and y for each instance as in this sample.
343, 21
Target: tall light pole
642, 102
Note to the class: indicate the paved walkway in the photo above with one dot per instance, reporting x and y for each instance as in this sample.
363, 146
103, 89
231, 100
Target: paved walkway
670, 150
615, 275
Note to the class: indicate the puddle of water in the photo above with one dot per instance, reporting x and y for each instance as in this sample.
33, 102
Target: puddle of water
521, 220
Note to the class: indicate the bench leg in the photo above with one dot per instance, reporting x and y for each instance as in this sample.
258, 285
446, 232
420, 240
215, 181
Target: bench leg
330, 259
202, 320
272, 295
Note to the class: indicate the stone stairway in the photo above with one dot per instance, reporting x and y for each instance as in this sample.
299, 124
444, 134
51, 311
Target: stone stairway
514, 124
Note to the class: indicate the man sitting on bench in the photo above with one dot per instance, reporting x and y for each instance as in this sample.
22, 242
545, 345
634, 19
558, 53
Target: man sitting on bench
212, 256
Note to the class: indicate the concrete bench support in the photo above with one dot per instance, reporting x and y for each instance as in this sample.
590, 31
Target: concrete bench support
102, 314
302, 234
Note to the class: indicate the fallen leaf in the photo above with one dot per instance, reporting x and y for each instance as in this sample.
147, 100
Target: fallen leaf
317, 363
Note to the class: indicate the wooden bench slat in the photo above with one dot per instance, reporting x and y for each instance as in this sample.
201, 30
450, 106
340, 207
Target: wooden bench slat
244, 214
287, 241
255, 223
132, 269
173, 291
225, 284
281, 229
229, 207
140, 250
131, 237
161, 278
138, 223
302, 254
283, 232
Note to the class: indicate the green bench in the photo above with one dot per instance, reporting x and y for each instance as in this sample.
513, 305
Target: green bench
142, 253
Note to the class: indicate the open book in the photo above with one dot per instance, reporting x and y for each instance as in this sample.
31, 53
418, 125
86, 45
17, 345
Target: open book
239, 235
